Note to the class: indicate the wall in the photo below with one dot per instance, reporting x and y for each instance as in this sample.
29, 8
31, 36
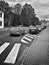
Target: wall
1, 19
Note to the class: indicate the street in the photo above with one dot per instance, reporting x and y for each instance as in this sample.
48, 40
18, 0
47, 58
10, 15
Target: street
24, 50
12, 48
38, 53
24, 32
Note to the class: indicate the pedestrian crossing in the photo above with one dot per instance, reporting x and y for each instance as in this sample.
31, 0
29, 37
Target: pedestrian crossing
22, 40
27, 38
13, 53
31, 35
12, 56
3, 47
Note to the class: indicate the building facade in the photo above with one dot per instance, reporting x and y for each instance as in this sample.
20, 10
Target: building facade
1, 18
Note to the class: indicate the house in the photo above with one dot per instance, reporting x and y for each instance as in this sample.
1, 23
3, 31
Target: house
1, 17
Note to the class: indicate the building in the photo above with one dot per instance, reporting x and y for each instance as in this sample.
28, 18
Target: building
1, 17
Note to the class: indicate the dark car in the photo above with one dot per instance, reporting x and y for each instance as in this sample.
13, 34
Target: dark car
39, 28
33, 30
17, 31
43, 27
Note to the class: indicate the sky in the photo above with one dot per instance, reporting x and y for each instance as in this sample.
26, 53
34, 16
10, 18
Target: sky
41, 6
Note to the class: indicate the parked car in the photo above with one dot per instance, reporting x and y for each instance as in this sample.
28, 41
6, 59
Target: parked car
20, 25
33, 30
43, 27
39, 27
17, 31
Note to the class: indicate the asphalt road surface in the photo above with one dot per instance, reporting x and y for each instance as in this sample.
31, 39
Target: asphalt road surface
38, 53
13, 49
24, 50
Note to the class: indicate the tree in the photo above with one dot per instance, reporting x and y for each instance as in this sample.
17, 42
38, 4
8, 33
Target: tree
28, 15
15, 21
4, 5
36, 21
18, 8
6, 9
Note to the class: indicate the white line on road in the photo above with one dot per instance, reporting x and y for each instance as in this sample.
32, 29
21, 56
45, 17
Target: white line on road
4, 35
3, 47
11, 58
31, 35
22, 40
27, 38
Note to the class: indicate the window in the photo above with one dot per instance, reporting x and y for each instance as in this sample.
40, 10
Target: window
0, 23
0, 14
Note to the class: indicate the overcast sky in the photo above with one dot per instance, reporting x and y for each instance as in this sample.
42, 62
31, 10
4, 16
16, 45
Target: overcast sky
41, 6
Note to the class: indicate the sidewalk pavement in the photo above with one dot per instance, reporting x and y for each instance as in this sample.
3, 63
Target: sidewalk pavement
38, 53
6, 28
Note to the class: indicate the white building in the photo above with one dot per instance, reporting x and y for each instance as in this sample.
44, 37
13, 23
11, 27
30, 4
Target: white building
1, 18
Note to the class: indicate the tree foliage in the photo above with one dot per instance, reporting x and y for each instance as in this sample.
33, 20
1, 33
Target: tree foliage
18, 8
16, 20
23, 15
28, 15
5, 6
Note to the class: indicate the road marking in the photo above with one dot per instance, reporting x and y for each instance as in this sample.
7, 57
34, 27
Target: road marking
22, 40
4, 35
11, 58
3, 47
31, 35
25, 56
27, 38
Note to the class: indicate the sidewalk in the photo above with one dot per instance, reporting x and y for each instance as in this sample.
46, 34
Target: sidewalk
6, 28
38, 53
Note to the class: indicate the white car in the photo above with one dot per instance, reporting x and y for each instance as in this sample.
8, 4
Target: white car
39, 27
17, 31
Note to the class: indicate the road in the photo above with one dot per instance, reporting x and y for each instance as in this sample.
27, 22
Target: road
13, 49
38, 53
24, 50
